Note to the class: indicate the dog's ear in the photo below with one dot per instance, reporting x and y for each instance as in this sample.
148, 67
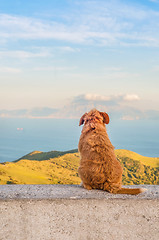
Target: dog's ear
105, 117
82, 119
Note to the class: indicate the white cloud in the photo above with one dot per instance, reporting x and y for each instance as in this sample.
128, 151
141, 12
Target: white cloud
19, 27
110, 99
131, 97
96, 22
23, 54
155, 1
68, 49
53, 68
9, 70
36, 52
120, 75
129, 118
96, 97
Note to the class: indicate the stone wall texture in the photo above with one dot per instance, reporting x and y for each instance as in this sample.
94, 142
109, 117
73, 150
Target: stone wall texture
67, 212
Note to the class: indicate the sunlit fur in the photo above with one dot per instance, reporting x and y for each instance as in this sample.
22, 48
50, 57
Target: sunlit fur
99, 168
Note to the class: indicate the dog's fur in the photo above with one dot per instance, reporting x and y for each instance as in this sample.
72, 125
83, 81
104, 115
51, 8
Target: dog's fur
99, 168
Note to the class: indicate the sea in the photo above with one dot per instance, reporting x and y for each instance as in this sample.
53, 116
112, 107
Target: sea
19, 137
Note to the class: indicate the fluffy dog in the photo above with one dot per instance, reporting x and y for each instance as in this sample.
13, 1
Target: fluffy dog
99, 168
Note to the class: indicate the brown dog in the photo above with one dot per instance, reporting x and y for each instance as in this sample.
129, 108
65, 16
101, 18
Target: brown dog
99, 168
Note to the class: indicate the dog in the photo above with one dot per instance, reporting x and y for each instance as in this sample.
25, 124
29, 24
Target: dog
99, 167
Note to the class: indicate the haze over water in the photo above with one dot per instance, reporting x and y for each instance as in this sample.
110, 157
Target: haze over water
21, 136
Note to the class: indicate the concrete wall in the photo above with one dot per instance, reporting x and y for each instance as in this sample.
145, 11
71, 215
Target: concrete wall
70, 212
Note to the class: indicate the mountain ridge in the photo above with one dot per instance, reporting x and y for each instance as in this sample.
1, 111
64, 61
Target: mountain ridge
41, 156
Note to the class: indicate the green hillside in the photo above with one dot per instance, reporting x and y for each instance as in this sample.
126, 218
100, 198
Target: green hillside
61, 168
148, 161
40, 156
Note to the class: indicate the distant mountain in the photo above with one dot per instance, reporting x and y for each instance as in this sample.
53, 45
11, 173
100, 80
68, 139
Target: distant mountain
40, 156
28, 113
57, 167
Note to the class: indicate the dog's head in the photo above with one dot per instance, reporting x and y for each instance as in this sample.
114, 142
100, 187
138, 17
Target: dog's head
93, 117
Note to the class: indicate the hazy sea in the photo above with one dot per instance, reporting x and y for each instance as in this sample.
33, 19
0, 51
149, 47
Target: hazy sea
21, 136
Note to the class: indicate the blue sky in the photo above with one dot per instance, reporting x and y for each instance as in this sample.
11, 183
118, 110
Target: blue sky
70, 56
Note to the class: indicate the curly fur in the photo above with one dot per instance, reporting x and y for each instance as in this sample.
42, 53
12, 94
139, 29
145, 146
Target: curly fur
99, 167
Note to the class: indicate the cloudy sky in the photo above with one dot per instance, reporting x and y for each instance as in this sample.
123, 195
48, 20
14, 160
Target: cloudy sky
60, 58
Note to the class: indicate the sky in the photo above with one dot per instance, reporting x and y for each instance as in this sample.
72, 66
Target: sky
59, 58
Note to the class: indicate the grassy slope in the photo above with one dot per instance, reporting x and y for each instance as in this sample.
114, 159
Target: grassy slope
40, 156
63, 169
148, 161
56, 170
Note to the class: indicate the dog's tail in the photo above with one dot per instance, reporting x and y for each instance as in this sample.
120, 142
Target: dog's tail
132, 191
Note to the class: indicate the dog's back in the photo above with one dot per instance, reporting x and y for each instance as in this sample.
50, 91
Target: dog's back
99, 168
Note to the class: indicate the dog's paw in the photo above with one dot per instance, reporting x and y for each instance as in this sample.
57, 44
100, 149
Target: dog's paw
88, 187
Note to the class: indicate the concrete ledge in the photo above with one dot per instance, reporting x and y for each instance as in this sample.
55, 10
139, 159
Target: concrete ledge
48, 212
